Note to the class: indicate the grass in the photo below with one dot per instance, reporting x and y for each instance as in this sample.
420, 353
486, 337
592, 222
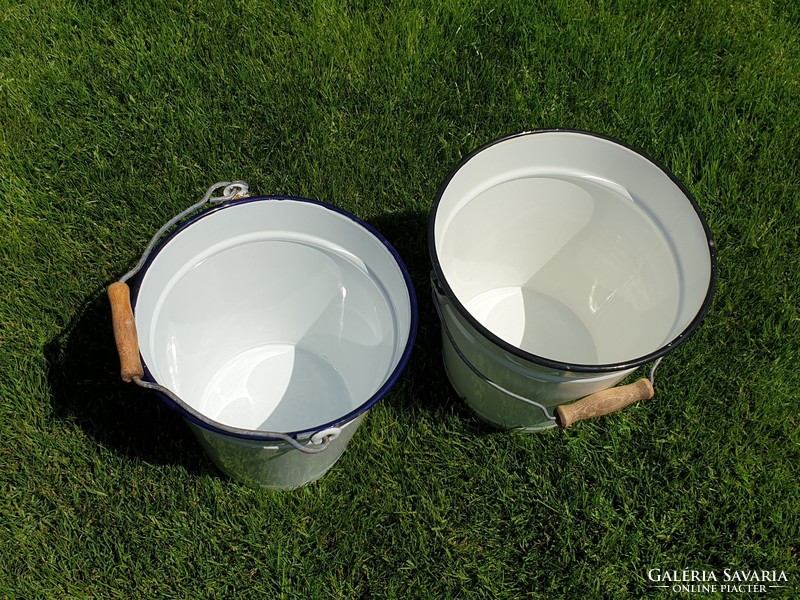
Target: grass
116, 115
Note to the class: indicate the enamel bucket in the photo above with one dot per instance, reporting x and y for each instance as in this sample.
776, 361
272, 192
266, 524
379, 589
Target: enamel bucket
271, 324
562, 261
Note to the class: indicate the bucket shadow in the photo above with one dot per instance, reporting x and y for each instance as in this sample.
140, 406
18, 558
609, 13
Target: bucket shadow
430, 390
83, 373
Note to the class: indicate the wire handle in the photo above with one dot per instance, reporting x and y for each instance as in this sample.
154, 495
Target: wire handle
595, 405
438, 299
232, 190
126, 338
319, 442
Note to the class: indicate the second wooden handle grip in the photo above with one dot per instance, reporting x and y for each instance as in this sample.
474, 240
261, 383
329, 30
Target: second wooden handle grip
604, 403
125, 331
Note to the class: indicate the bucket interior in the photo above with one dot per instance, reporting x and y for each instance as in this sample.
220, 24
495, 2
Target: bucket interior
572, 248
274, 315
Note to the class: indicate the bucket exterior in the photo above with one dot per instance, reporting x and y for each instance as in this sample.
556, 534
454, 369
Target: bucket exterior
272, 465
562, 261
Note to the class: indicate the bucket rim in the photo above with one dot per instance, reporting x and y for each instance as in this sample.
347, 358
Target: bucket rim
214, 426
688, 331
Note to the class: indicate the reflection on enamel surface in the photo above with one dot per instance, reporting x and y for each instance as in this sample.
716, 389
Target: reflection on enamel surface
274, 316
295, 303
533, 252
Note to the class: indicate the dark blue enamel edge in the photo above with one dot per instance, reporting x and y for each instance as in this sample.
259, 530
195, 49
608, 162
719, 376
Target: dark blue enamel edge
197, 418
555, 364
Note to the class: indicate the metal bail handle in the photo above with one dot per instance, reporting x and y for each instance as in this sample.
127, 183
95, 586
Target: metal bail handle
125, 334
233, 190
127, 342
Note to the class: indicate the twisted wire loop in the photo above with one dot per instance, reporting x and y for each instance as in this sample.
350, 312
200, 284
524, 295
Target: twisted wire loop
231, 190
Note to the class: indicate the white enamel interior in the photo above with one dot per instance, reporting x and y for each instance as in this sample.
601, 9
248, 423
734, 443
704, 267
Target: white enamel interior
572, 248
273, 315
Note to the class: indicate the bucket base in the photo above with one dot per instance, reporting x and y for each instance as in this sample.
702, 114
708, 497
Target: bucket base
272, 465
536, 429
515, 315
531, 429
273, 387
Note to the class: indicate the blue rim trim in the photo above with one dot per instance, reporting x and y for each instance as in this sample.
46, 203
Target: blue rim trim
195, 417
556, 364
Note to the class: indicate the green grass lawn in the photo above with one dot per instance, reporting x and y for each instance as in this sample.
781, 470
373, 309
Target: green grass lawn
114, 116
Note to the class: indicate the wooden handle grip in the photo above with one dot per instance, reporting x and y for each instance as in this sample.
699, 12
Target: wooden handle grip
604, 403
125, 331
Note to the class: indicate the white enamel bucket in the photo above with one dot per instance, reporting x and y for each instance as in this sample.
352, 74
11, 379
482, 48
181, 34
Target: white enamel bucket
562, 261
272, 324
